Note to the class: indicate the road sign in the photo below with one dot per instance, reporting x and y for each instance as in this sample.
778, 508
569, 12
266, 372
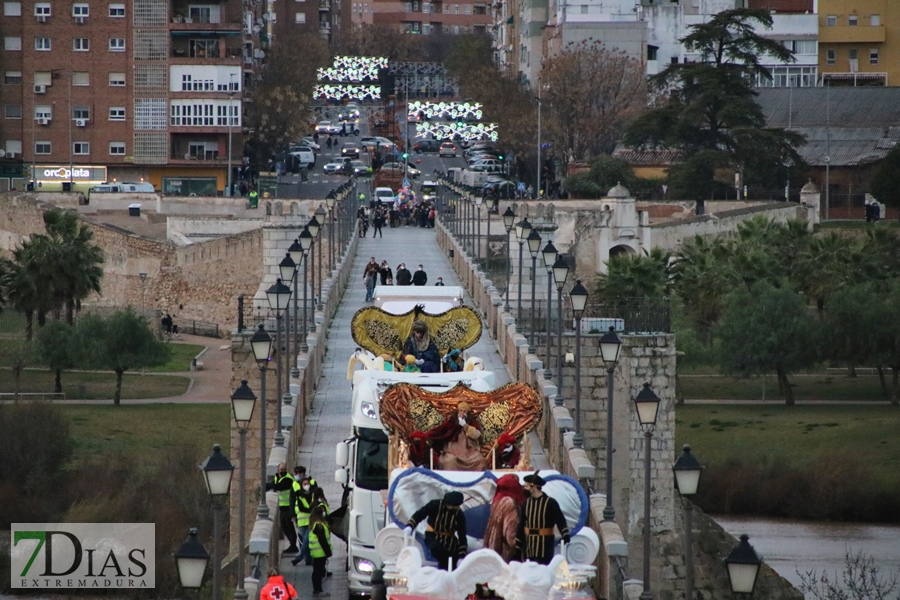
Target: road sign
406, 183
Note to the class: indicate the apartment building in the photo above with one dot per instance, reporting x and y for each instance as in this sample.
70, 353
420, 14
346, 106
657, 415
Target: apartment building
325, 15
146, 90
425, 18
859, 42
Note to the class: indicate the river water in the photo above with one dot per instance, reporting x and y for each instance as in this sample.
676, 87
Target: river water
790, 546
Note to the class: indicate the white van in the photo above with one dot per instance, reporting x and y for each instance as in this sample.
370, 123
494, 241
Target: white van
384, 195
305, 156
124, 187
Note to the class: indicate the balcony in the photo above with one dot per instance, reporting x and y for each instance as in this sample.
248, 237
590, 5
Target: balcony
846, 34
205, 50
324, 5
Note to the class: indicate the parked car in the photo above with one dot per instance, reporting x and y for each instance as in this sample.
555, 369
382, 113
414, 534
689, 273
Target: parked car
396, 168
360, 168
447, 149
370, 143
350, 149
426, 146
327, 127
336, 167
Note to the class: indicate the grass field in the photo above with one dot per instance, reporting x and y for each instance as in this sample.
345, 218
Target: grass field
806, 387
794, 436
180, 359
143, 430
80, 385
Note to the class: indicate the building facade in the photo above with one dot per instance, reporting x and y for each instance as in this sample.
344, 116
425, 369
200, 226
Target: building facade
425, 18
148, 90
859, 42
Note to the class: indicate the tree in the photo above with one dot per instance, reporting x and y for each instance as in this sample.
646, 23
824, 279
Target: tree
768, 328
861, 579
78, 261
378, 40
700, 275
54, 349
887, 341
636, 276
119, 343
886, 179
851, 329
589, 94
19, 354
708, 106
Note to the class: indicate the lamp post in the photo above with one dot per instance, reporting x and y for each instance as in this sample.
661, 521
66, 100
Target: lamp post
230, 123
534, 246
578, 297
295, 251
560, 274
743, 567
540, 105
320, 217
491, 201
687, 471
288, 269
243, 401
313, 227
523, 230
261, 344
509, 218
191, 560
610, 345
549, 252
647, 405
279, 296
217, 472
329, 202
143, 276
305, 239
479, 199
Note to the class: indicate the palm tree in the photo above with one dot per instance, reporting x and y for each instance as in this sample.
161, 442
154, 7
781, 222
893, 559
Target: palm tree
28, 281
700, 274
636, 276
79, 266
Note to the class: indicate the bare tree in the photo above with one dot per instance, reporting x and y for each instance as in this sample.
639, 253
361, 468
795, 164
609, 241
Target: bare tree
589, 95
379, 40
861, 580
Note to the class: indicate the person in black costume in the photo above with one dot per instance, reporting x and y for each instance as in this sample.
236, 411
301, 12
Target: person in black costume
446, 535
539, 515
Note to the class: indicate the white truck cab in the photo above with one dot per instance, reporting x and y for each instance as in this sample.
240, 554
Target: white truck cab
362, 461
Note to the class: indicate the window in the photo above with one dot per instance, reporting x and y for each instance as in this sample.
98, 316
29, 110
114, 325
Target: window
42, 147
204, 13
806, 47
853, 20
12, 43
467, 9
300, 18
81, 147
116, 113
81, 112
81, 44
43, 111
407, 7
830, 56
43, 78
117, 148
189, 84
12, 78
873, 56
204, 48
42, 9
117, 44
652, 52
456, 9
12, 9
852, 54
875, 20
116, 10
80, 10
81, 78
446, 9
13, 111
42, 44
415, 6
584, 9
117, 79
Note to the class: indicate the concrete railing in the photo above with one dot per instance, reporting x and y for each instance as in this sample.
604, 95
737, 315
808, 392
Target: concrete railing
555, 428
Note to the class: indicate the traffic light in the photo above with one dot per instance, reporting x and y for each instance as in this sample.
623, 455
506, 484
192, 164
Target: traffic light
405, 155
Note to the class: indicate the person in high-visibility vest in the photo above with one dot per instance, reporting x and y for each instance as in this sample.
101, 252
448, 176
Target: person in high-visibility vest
254, 198
286, 487
303, 502
319, 548
277, 588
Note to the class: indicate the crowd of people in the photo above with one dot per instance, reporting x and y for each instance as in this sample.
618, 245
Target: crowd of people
375, 216
375, 274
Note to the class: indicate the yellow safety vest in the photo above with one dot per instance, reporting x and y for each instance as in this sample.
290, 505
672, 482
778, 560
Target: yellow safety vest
284, 496
315, 547
302, 517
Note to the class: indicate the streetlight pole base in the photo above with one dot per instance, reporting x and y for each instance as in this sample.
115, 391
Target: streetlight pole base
279, 438
578, 440
240, 594
548, 373
558, 400
262, 511
645, 596
609, 513
295, 372
288, 398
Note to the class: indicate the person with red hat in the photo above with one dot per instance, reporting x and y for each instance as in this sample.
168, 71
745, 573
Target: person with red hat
507, 452
506, 515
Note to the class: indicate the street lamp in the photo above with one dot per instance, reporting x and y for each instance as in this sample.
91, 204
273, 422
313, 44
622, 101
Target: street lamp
491, 201
523, 230
305, 239
243, 401
647, 405
743, 567
231, 91
261, 345
687, 471
479, 199
313, 226
578, 297
560, 274
191, 560
288, 269
217, 472
509, 218
295, 251
610, 346
329, 202
549, 252
143, 276
320, 217
534, 246
278, 296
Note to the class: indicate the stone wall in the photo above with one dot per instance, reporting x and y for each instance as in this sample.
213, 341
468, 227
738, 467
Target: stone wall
644, 358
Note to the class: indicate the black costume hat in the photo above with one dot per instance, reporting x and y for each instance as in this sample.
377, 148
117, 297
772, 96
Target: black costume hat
453, 499
535, 479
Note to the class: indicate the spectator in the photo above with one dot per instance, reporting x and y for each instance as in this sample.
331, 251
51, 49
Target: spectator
320, 548
167, 323
404, 277
420, 277
440, 281
385, 273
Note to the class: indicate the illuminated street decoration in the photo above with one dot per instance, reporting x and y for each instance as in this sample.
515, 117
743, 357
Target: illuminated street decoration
457, 131
449, 111
352, 69
348, 91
